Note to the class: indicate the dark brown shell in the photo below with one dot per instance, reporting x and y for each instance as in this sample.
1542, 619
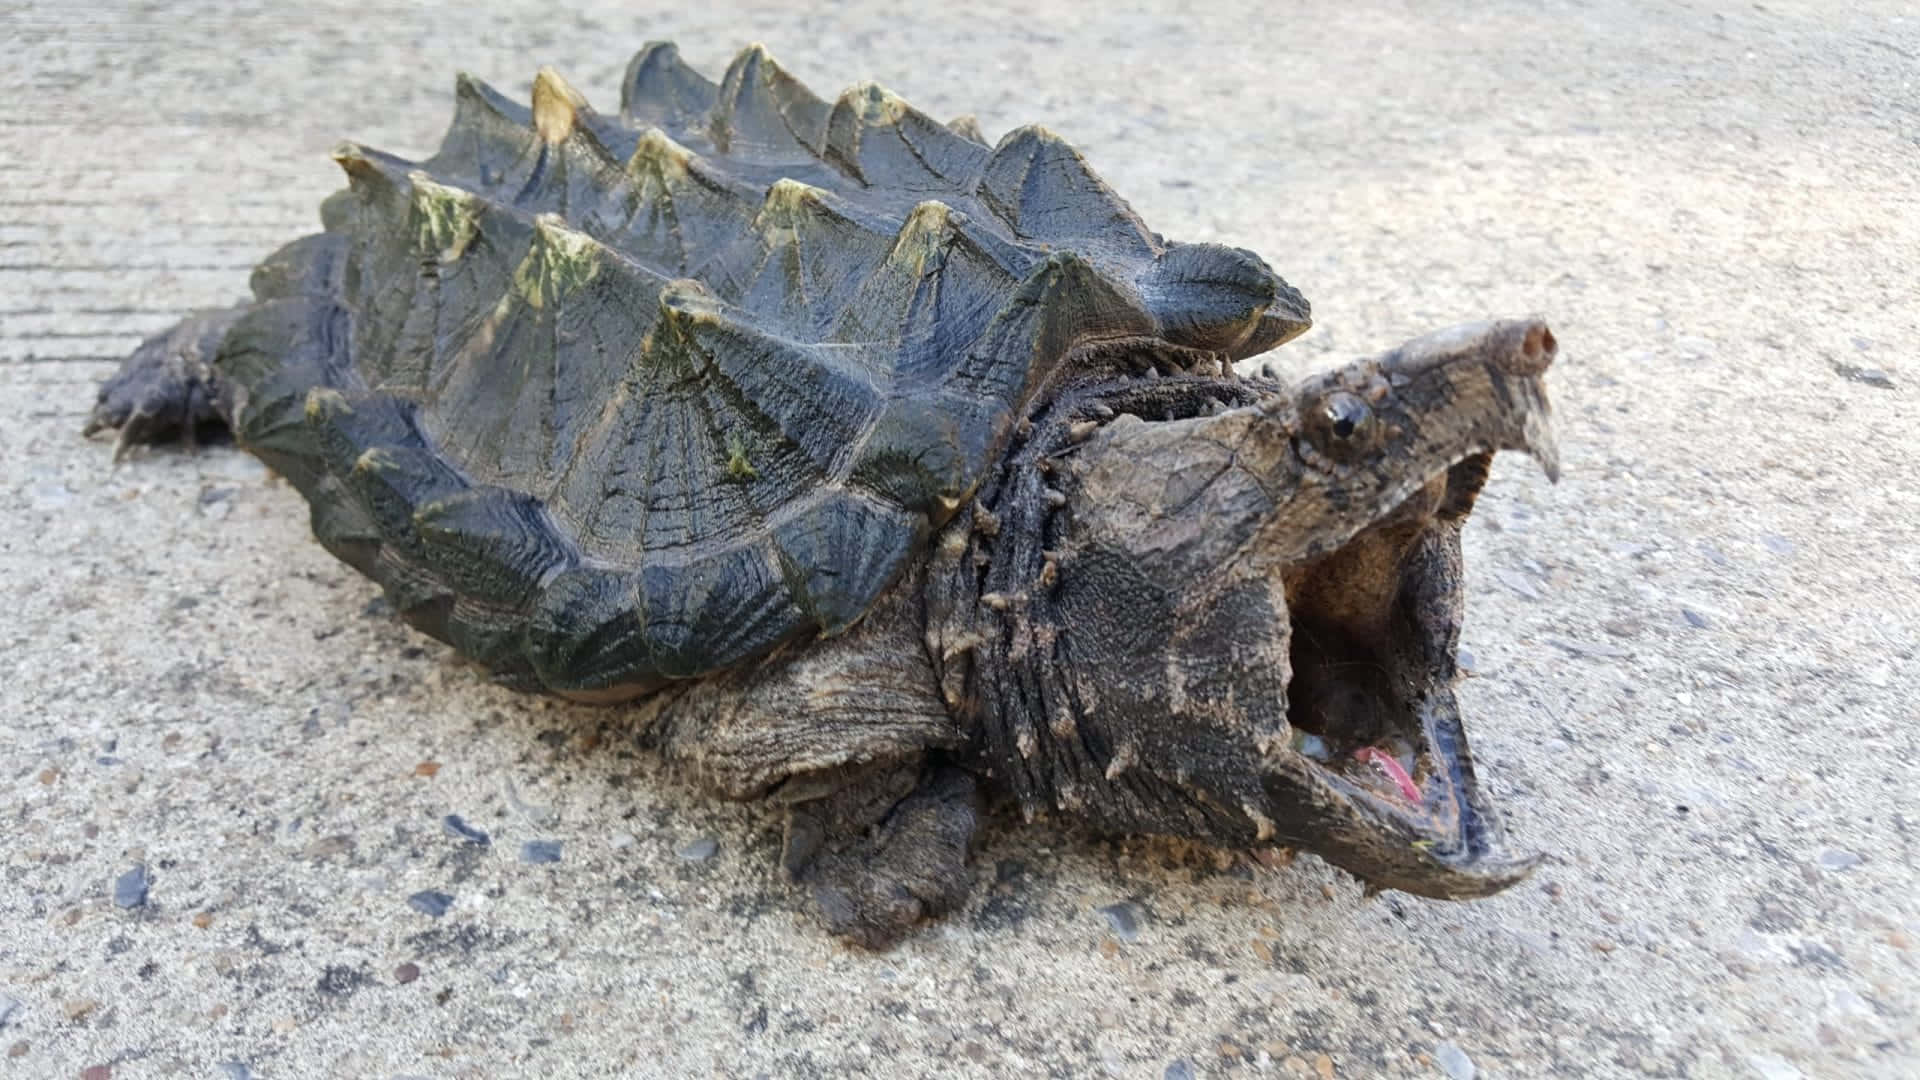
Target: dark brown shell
606, 400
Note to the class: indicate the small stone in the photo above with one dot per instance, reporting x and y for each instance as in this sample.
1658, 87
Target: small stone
701, 850
1871, 376
236, 1070
540, 851
1453, 1061
427, 769
1323, 1065
97, 1072
202, 920
19, 1049
130, 888
1464, 658
457, 826
1179, 1069
621, 841
1838, 859
1124, 920
406, 973
1695, 619
80, 1008
430, 902
48, 776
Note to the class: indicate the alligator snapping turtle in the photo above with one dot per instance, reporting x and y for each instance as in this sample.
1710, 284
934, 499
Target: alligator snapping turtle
868, 463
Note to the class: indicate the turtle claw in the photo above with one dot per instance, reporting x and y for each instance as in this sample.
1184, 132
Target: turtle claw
912, 865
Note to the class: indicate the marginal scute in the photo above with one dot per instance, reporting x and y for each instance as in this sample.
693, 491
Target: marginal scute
587, 632
735, 602
611, 400
494, 545
840, 544
1209, 296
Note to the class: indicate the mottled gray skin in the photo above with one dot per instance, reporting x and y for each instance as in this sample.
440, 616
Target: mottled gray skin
869, 464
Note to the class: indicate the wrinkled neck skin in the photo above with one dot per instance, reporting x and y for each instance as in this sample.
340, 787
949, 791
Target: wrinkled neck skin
1213, 608
1057, 653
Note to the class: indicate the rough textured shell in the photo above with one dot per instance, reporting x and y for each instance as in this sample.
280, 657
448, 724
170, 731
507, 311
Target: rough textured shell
609, 400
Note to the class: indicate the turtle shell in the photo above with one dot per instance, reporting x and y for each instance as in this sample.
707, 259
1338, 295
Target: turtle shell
610, 400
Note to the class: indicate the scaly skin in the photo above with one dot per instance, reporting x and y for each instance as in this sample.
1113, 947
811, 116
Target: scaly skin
871, 463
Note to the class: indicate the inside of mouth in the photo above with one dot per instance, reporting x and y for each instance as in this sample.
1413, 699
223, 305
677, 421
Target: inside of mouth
1347, 717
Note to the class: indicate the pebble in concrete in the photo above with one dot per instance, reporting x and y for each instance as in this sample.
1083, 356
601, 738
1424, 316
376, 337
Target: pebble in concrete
130, 888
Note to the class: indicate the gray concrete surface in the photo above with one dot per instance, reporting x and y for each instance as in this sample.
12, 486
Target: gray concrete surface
1694, 658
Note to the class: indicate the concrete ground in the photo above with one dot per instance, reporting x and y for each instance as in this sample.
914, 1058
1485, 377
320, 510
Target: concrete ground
1694, 659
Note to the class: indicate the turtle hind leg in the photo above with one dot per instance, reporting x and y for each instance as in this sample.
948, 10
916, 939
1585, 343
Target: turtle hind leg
898, 858
168, 388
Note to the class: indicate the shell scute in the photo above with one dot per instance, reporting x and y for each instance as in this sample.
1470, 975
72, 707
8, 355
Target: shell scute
611, 399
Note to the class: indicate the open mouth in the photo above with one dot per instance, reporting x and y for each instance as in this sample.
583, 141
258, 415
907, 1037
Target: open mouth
1374, 635
1346, 718
1377, 745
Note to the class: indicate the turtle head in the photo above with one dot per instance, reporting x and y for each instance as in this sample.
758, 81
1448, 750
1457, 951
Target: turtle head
1258, 612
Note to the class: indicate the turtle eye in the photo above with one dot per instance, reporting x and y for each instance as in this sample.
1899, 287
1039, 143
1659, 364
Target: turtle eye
1347, 418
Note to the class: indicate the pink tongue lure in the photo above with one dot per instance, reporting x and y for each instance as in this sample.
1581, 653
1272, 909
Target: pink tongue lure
1387, 763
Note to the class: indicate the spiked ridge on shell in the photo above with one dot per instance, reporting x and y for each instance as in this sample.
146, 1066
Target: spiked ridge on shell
618, 398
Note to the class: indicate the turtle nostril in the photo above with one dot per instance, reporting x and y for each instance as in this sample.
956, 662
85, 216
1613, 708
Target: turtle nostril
1535, 350
1539, 345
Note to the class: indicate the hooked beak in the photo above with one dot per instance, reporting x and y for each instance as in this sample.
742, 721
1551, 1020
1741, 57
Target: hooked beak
1502, 360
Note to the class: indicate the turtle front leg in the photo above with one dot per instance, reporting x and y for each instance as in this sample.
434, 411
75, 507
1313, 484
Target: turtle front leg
168, 387
850, 735
886, 850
